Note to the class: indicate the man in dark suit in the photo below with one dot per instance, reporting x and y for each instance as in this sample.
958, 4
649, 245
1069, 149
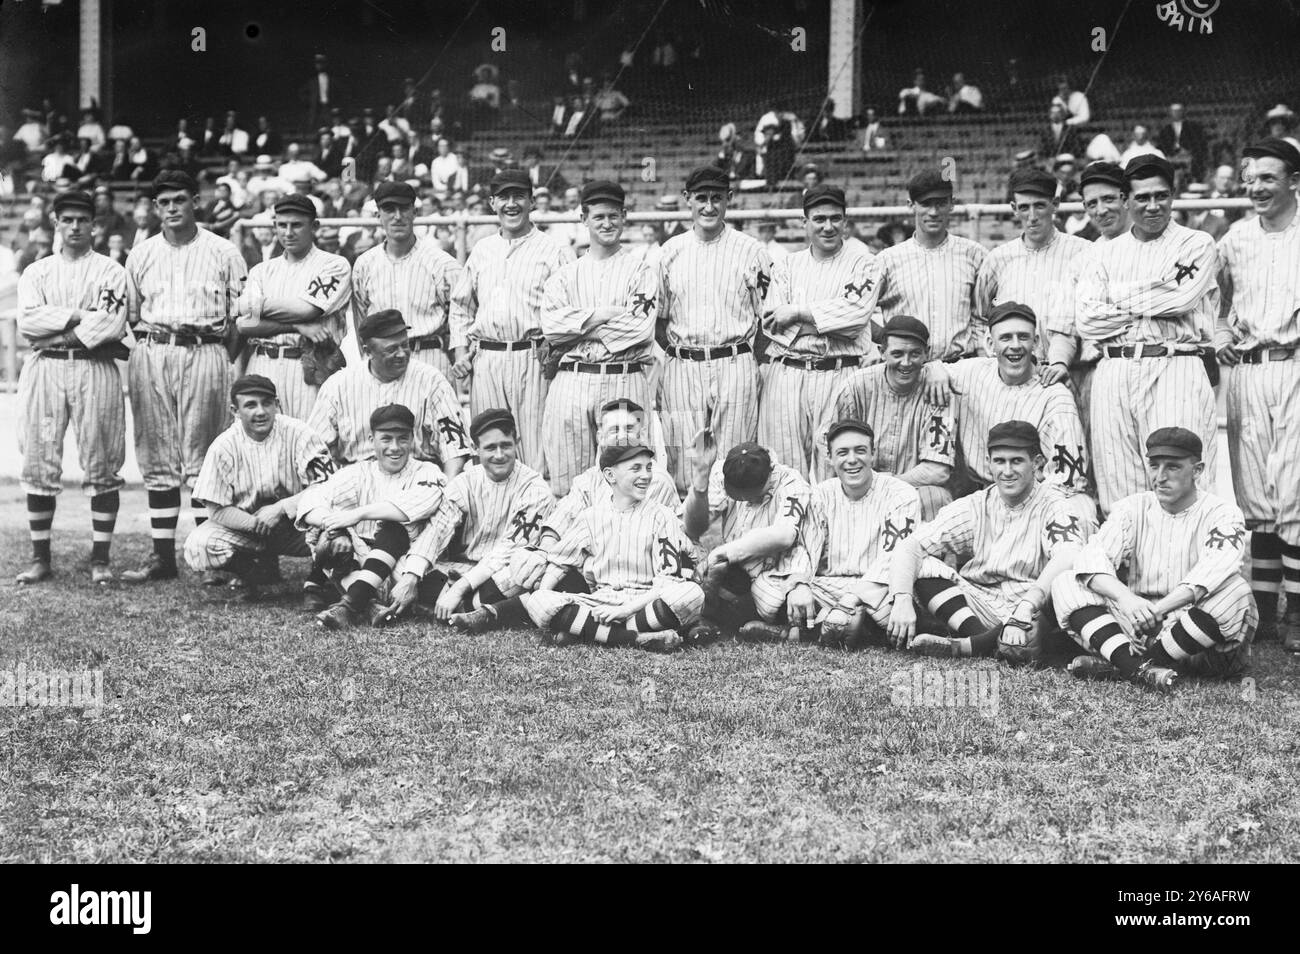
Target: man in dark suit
1183, 136
266, 141
329, 155
321, 93
541, 175
1059, 136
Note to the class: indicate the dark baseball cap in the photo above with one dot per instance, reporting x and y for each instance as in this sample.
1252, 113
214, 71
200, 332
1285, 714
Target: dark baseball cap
172, 179
1012, 309
388, 323
823, 194
849, 424
252, 384
1111, 173
296, 203
609, 456
622, 404
707, 177
1032, 182
511, 179
392, 417
602, 190
74, 199
905, 326
928, 184
1173, 442
1146, 166
1275, 149
1020, 434
398, 192
497, 417
746, 467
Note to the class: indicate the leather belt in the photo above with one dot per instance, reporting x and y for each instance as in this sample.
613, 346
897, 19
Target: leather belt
277, 351
1266, 355
1148, 351
429, 343
816, 364
67, 354
176, 338
593, 368
488, 345
709, 354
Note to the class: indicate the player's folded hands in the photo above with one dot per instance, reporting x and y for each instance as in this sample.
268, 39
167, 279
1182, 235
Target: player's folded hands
902, 621
611, 614
801, 605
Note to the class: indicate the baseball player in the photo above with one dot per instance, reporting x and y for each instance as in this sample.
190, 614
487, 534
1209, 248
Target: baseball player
71, 308
342, 412
914, 440
1011, 541
715, 280
252, 480
634, 549
857, 519
600, 311
1184, 608
621, 422
1036, 267
817, 327
183, 286
362, 520
497, 506
762, 507
1259, 334
410, 274
296, 303
1148, 298
1007, 386
496, 314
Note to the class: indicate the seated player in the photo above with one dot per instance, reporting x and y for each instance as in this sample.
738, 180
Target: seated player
252, 481
497, 505
621, 422
1012, 540
858, 517
366, 515
762, 507
915, 438
1186, 608
635, 551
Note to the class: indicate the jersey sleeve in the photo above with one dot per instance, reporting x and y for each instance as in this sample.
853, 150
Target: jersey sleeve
854, 398
846, 314
360, 290
951, 532
531, 507
443, 431
758, 279
329, 287
312, 458
340, 492
938, 434
215, 484
1061, 528
1111, 547
1222, 549
986, 286
675, 554
561, 320
902, 517
434, 539
791, 498
37, 318
1181, 287
464, 304
234, 274
574, 547
636, 325
324, 415
1064, 442
422, 495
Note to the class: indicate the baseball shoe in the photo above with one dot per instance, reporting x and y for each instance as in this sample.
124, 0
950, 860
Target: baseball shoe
1092, 667
929, 644
659, 640
381, 617
475, 621
215, 578
151, 570
702, 633
757, 631
866, 632
1288, 629
1157, 677
39, 570
317, 598
339, 616
101, 573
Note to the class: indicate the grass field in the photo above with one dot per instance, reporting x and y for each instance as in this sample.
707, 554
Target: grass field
242, 733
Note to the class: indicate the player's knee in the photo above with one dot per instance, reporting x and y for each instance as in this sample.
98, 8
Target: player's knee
392, 538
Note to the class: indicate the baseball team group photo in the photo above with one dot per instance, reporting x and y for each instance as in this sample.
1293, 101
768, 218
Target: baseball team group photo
655, 430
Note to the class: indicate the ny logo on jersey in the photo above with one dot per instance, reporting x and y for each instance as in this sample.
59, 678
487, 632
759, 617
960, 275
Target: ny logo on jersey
318, 469
426, 483
1071, 465
892, 534
523, 527
670, 558
857, 290
639, 300
1184, 271
1219, 539
940, 433
794, 508
1058, 532
319, 286
452, 429
762, 280
110, 301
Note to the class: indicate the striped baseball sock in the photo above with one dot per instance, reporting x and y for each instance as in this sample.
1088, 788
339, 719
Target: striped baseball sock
1194, 633
511, 612
40, 518
1266, 571
198, 512
486, 595
103, 519
1106, 637
164, 511
657, 616
363, 583
1291, 577
947, 602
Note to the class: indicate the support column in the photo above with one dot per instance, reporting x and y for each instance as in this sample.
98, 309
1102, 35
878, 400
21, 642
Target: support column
91, 68
844, 66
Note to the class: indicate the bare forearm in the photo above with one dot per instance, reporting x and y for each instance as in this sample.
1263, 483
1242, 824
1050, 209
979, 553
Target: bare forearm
233, 518
762, 542
695, 518
927, 474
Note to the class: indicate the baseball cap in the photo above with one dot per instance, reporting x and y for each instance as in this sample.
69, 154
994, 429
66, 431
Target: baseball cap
1014, 434
1146, 166
928, 184
616, 454
905, 326
1102, 171
746, 467
511, 179
849, 424
392, 417
1276, 149
172, 179
75, 199
296, 203
388, 323
622, 404
252, 384
398, 192
497, 417
1032, 182
1012, 309
822, 194
602, 190
707, 177
1173, 442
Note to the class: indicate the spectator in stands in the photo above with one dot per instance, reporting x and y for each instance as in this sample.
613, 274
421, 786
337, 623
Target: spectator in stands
828, 127
670, 203
264, 179
329, 155
121, 129
1073, 101
266, 139
32, 133
447, 174
1139, 145
540, 174
1209, 221
400, 162
579, 115
395, 126
106, 216
383, 170
1224, 184
811, 175
916, 100
1278, 123
182, 134
13, 153
1078, 223
236, 178
663, 55
54, 165
611, 103
1183, 138
233, 140
259, 245
777, 117
115, 248
209, 139
894, 233
1066, 169
91, 163
767, 236
144, 164
413, 106
485, 96
873, 132
295, 167
144, 223
40, 243
964, 97
184, 160
1059, 136
219, 215
423, 151
119, 162
321, 93
92, 129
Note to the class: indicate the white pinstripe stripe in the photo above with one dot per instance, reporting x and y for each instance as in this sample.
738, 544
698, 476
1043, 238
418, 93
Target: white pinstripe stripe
936, 286
1042, 278
418, 284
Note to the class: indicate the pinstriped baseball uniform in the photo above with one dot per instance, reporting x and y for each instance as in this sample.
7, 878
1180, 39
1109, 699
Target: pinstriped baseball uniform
1161, 292
935, 286
713, 295
178, 392
499, 298
626, 552
796, 403
248, 474
417, 490
1042, 278
590, 489
319, 278
341, 415
574, 398
54, 392
1201, 546
1260, 278
419, 285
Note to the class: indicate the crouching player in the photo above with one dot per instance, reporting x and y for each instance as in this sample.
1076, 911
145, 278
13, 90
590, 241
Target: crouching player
637, 554
1185, 609
252, 481
1011, 540
362, 520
